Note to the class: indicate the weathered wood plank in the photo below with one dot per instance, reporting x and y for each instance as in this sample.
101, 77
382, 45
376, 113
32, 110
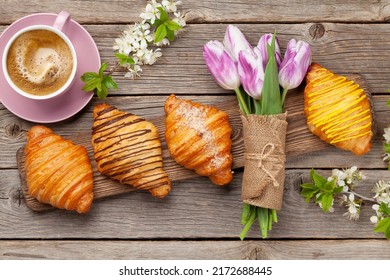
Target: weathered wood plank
194, 209
343, 48
88, 11
196, 250
298, 136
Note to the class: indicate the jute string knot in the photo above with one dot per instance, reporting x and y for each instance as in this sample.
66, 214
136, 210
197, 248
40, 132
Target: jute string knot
265, 156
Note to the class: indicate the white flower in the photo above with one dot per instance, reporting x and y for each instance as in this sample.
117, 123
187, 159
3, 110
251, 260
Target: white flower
179, 19
387, 134
151, 12
170, 6
374, 219
382, 192
353, 207
375, 207
163, 42
133, 71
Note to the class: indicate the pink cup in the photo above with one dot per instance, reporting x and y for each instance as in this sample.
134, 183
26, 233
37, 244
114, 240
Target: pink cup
60, 22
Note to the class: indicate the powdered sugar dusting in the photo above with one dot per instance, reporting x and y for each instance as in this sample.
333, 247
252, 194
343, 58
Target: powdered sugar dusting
195, 118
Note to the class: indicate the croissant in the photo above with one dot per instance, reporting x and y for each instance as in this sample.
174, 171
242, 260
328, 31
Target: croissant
128, 149
198, 138
338, 110
58, 172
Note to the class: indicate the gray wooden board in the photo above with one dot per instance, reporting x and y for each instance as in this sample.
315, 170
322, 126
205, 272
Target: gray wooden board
194, 209
352, 249
299, 141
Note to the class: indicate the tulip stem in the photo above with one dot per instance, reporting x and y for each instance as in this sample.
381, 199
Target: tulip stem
257, 106
284, 95
241, 102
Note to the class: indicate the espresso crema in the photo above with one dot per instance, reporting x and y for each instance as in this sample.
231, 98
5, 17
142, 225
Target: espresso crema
39, 62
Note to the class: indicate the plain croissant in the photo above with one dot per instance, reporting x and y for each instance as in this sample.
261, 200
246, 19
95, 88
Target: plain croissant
198, 138
58, 172
128, 149
338, 110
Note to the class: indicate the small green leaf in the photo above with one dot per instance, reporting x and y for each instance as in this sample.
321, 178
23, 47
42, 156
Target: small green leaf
103, 92
124, 59
387, 147
87, 76
384, 208
338, 190
174, 26
103, 67
317, 179
170, 35
160, 34
388, 102
326, 201
91, 84
387, 232
329, 186
308, 194
163, 14
382, 225
109, 82
308, 186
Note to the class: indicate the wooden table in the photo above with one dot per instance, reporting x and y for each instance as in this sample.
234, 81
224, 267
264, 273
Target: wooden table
199, 220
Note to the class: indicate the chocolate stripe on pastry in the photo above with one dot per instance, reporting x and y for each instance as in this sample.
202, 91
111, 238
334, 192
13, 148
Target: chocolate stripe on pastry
128, 149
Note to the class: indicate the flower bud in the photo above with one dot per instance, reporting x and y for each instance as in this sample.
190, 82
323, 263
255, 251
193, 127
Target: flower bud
295, 64
235, 41
221, 66
251, 71
265, 40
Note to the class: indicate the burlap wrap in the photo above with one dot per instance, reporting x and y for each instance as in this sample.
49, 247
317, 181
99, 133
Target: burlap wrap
265, 141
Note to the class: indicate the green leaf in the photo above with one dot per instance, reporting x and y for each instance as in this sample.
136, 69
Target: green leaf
124, 59
263, 217
109, 82
329, 186
174, 26
271, 97
383, 225
388, 102
384, 208
160, 33
163, 14
317, 178
387, 232
103, 67
387, 148
326, 201
91, 84
308, 194
248, 225
103, 92
88, 76
170, 35
338, 190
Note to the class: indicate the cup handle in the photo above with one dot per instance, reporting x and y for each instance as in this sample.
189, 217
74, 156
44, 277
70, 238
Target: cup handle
61, 20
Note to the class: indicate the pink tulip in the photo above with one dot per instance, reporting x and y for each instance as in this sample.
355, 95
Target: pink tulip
294, 66
221, 66
262, 45
251, 71
235, 41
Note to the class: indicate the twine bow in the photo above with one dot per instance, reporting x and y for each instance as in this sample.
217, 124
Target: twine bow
263, 156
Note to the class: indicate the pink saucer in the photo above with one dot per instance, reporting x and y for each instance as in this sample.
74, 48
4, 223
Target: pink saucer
67, 104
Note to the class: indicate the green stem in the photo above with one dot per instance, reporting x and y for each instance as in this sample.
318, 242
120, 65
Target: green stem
246, 210
241, 102
284, 95
248, 225
257, 106
274, 216
262, 215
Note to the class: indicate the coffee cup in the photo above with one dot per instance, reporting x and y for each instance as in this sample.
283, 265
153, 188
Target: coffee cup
39, 61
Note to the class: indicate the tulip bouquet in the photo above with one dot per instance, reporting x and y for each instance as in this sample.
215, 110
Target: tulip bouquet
261, 79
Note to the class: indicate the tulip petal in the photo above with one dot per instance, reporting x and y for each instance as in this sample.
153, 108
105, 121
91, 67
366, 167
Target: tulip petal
221, 65
234, 41
250, 69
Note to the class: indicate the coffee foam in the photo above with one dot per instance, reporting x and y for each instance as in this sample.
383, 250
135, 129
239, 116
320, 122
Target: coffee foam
39, 62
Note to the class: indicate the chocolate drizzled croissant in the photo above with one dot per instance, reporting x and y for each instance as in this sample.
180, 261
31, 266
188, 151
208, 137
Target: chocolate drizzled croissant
198, 137
128, 149
58, 172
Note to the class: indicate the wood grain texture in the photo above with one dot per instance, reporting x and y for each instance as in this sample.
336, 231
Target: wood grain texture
342, 48
196, 250
299, 142
195, 209
88, 11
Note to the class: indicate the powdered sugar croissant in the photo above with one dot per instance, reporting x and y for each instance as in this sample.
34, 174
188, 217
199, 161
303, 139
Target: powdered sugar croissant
128, 149
198, 137
338, 110
58, 172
